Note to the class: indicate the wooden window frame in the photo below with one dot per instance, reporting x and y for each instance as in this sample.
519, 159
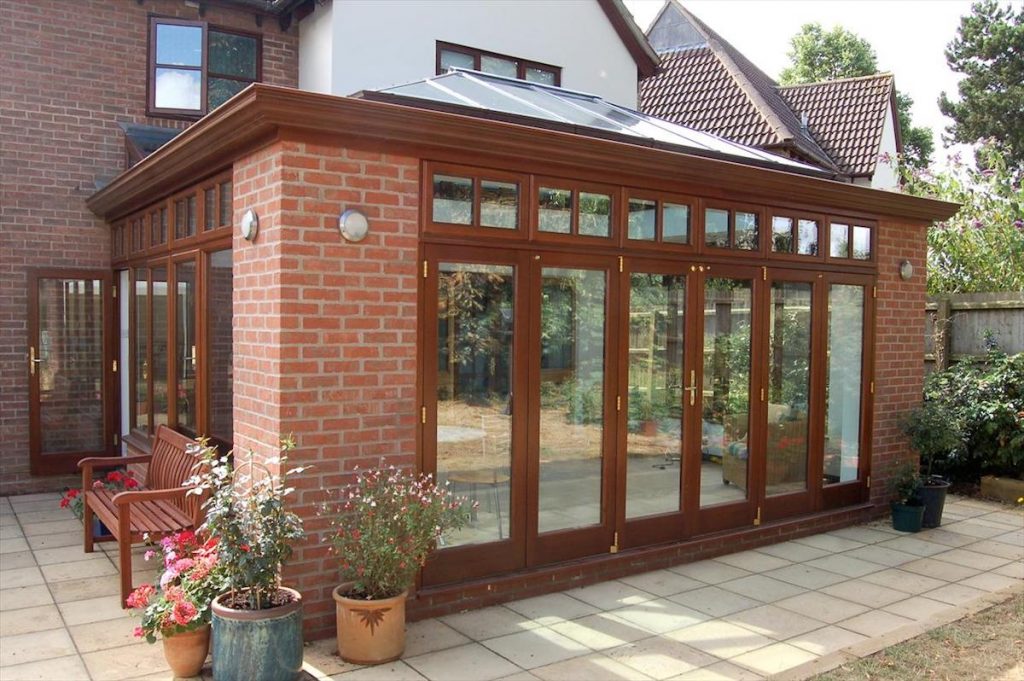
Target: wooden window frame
732, 208
660, 199
795, 216
848, 259
203, 69
521, 64
474, 230
576, 187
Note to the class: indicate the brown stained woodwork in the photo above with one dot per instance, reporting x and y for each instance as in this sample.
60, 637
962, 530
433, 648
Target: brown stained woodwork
263, 112
521, 64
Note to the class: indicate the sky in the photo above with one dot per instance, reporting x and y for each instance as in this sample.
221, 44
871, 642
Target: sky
909, 38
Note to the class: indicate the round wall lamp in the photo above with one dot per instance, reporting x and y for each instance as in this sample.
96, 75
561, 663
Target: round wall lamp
353, 225
906, 270
250, 225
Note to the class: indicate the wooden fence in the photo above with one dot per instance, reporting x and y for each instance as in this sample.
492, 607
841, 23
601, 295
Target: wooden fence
956, 326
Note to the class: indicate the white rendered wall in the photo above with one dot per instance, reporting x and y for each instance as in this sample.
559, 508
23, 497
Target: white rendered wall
885, 176
375, 44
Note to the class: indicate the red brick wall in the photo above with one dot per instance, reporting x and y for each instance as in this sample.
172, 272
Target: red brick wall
71, 71
899, 347
325, 330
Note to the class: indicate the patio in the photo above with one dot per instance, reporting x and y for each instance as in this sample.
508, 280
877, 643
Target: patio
790, 609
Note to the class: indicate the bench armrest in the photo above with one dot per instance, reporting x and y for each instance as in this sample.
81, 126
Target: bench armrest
112, 461
138, 496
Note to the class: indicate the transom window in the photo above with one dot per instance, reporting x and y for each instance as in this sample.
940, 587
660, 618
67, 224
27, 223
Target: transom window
653, 219
795, 234
458, 56
571, 208
194, 68
727, 227
480, 201
848, 240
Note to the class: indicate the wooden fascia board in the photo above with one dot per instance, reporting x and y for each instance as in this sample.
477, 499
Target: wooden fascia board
263, 112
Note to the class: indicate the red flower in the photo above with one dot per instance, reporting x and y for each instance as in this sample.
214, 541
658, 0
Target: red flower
131, 483
244, 547
138, 632
183, 613
115, 476
140, 597
65, 502
72, 493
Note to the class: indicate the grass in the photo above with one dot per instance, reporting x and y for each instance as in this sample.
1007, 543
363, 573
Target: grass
984, 646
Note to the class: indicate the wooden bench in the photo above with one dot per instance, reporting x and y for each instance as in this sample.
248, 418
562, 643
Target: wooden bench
157, 508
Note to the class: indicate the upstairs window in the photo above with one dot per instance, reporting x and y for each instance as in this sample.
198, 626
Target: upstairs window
457, 56
194, 68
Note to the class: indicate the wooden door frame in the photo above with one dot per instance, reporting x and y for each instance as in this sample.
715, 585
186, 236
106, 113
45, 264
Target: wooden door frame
64, 463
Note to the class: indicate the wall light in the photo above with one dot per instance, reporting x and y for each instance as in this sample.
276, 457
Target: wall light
906, 270
353, 225
250, 225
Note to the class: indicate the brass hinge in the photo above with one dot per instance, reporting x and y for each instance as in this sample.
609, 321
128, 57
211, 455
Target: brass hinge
618, 403
424, 269
113, 291
871, 387
620, 263
762, 394
874, 291
117, 439
614, 548
423, 414
757, 518
869, 482
764, 274
115, 366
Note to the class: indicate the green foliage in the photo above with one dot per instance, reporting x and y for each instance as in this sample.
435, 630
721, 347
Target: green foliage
935, 431
986, 400
829, 55
246, 515
905, 483
384, 526
981, 248
989, 51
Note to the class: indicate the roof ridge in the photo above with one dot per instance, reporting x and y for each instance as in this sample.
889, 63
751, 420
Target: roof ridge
880, 74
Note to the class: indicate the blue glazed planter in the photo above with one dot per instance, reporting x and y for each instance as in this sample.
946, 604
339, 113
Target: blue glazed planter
258, 645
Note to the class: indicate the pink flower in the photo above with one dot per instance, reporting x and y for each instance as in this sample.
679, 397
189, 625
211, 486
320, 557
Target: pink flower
183, 565
138, 632
183, 613
141, 596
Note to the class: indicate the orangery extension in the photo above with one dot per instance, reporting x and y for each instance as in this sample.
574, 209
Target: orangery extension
632, 344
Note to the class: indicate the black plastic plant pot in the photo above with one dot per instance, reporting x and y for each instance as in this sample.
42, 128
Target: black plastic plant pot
933, 494
907, 518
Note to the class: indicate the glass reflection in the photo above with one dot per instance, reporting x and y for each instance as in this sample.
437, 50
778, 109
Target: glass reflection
159, 345
140, 415
789, 382
453, 200
716, 227
499, 204
657, 306
675, 223
595, 214
475, 325
572, 324
782, 234
642, 218
808, 237
554, 210
185, 344
843, 382
725, 407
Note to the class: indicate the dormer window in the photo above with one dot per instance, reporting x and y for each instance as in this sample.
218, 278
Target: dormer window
458, 56
194, 67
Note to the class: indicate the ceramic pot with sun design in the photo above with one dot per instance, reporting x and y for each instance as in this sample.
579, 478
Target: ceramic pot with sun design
369, 631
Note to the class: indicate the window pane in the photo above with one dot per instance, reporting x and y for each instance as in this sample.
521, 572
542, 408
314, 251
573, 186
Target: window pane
595, 214
782, 234
725, 407
180, 219
219, 354
160, 349
220, 90
839, 241
642, 216
154, 228
789, 383
861, 242
453, 200
843, 382
225, 204
716, 227
452, 59
746, 231
572, 397
475, 327
179, 45
209, 209
232, 55
178, 89
140, 414
808, 236
675, 223
185, 344
499, 66
657, 306
499, 204
193, 215
535, 75
554, 213
163, 225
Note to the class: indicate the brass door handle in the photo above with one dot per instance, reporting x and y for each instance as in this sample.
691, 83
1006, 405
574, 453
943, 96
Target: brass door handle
32, 360
692, 388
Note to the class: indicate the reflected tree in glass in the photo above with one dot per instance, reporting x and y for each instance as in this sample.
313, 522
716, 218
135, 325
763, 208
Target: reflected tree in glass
843, 382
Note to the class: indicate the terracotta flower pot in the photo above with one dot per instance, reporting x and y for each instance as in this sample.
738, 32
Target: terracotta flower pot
186, 653
370, 632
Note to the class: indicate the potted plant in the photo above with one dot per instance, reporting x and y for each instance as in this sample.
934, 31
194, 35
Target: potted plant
934, 433
256, 622
642, 413
115, 480
907, 509
179, 613
384, 525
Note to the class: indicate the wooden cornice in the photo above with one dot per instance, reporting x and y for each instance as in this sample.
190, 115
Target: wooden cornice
262, 113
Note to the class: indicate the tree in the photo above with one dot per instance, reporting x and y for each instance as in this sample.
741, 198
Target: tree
818, 55
981, 248
989, 51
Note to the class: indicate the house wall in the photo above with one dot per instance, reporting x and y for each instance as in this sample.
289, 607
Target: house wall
72, 72
886, 175
325, 330
372, 45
